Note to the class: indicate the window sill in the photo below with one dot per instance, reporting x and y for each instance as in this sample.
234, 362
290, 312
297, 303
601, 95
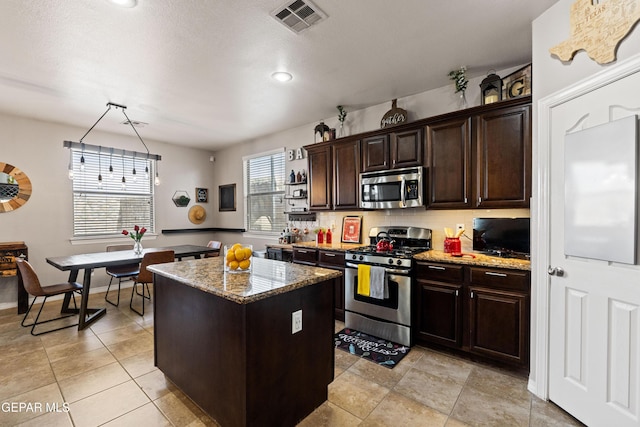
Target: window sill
108, 239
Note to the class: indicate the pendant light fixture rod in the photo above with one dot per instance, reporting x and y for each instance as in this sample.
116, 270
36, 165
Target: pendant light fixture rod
117, 151
97, 121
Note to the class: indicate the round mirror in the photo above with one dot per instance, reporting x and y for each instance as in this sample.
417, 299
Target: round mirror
15, 187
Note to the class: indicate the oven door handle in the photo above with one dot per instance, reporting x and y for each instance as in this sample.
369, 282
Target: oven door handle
387, 270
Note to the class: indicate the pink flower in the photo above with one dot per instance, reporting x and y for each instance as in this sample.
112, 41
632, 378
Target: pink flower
125, 232
136, 234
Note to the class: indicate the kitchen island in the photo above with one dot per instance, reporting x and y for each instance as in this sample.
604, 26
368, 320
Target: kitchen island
226, 339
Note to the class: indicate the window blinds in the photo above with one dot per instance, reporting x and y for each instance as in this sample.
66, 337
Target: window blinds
108, 209
264, 189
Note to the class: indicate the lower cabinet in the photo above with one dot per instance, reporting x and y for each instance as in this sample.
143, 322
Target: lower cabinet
481, 311
326, 259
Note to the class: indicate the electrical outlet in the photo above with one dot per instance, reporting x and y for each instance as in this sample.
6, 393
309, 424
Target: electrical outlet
459, 227
296, 321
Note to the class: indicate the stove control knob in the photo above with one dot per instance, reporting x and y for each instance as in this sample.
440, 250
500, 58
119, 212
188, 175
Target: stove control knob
361, 258
399, 262
391, 261
354, 256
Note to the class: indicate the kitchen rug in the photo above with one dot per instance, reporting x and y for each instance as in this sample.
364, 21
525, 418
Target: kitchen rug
382, 352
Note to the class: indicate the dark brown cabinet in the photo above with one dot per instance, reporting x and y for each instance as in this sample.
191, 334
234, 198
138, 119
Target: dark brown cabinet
449, 163
320, 177
346, 172
503, 158
406, 148
375, 153
499, 314
438, 304
482, 311
392, 151
335, 261
327, 259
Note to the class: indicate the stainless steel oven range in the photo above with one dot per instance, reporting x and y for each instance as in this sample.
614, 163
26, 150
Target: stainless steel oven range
388, 318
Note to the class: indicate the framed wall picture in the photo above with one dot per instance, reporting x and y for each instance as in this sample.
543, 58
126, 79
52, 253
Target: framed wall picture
227, 197
517, 83
202, 195
351, 229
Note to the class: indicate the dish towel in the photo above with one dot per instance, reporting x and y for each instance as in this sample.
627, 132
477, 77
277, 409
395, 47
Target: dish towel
364, 274
378, 284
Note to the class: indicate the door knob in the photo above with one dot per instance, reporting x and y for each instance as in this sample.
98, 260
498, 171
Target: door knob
555, 271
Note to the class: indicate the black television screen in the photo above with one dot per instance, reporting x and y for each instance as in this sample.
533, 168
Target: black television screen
502, 235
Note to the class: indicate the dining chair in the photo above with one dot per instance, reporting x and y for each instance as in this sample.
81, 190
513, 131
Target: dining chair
120, 271
214, 244
33, 288
145, 276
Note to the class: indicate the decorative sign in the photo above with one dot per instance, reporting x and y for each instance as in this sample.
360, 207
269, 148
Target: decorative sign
296, 154
202, 195
598, 29
393, 117
518, 83
351, 229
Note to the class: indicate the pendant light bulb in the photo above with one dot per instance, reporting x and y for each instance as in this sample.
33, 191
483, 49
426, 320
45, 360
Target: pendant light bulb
110, 172
157, 180
100, 181
70, 168
82, 163
146, 172
135, 177
124, 183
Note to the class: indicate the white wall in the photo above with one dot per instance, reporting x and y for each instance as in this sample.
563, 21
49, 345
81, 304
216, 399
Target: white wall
549, 76
228, 167
44, 223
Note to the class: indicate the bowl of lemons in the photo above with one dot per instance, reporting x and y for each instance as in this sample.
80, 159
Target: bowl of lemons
238, 258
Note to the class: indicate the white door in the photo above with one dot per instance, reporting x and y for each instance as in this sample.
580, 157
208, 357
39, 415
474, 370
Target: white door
594, 308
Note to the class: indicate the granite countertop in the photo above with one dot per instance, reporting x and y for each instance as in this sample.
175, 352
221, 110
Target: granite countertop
267, 278
480, 260
335, 246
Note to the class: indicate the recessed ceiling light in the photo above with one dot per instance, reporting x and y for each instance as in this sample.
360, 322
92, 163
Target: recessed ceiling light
124, 3
282, 76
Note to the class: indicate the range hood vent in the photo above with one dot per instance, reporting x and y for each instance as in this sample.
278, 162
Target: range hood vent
299, 15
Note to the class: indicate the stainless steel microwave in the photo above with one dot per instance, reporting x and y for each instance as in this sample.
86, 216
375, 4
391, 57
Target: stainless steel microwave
391, 189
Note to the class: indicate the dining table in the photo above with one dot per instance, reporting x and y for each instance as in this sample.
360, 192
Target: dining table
90, 261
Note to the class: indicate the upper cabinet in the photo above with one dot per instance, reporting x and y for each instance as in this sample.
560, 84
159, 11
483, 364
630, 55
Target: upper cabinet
320, 176
375, 153
448, 155
392, 150
475, 158
503, 158
333, 175
346, 173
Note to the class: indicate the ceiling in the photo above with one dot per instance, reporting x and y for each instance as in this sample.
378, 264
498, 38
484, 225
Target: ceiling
198, 72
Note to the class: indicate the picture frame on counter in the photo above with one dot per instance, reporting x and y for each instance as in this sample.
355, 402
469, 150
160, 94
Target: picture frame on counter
352, 229
518, 83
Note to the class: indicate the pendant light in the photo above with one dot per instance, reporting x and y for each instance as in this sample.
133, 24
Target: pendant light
70, 169
110, 165
92, 148
124, 180
100, 167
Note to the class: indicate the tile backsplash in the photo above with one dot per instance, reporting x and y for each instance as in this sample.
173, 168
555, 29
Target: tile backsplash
436, 220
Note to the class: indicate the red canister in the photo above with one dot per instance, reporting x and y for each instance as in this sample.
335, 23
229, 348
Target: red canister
452, 245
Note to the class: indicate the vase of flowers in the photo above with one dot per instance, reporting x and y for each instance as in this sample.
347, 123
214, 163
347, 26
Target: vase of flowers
461, 82
136, 235
342, 116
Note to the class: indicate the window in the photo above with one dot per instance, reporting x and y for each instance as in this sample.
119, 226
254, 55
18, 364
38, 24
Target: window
264, 192
107, 209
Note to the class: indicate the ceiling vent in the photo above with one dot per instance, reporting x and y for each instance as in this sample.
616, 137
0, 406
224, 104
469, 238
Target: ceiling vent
298, 15
134, 123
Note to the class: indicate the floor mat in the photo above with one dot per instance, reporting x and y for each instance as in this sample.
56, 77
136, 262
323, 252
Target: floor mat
378, 350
